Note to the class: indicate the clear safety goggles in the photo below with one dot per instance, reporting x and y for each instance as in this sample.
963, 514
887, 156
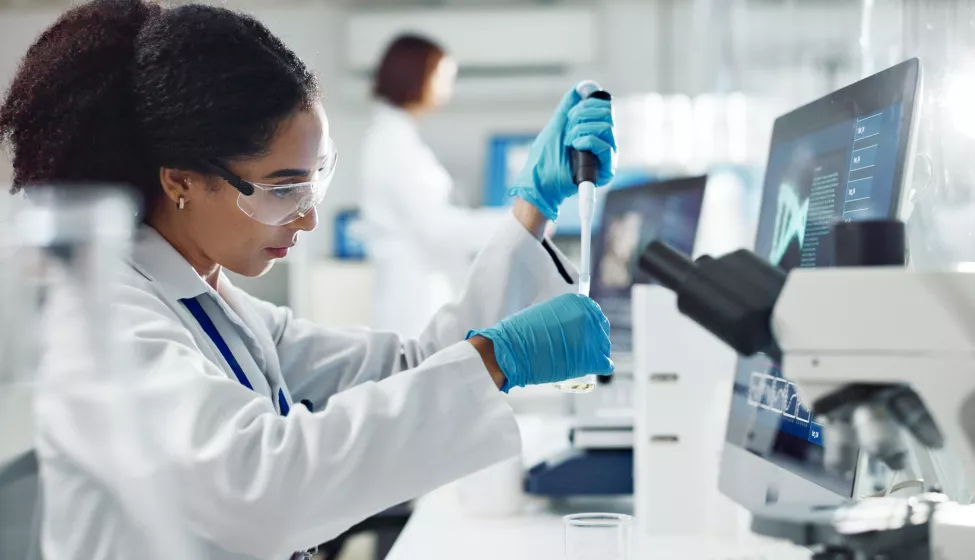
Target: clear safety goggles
277, 205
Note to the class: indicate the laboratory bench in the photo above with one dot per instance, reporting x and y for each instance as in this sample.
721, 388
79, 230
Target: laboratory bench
443, 527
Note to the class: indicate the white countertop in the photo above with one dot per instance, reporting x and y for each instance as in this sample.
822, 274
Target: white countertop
444, 527
440, 529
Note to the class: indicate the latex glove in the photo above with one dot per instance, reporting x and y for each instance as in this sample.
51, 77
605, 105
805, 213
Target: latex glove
546, 180
559, 339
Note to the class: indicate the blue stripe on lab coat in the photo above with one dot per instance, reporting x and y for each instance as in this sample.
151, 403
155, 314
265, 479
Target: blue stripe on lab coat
201, 317
283, 403
210, 329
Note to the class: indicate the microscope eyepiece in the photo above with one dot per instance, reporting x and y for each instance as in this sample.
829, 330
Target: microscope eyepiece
669, 266
731, 296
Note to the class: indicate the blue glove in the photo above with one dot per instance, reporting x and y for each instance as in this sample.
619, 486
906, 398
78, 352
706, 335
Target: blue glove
562, 338
546, 180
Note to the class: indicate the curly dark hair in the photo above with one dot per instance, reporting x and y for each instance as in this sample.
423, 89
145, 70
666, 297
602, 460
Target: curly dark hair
117, 89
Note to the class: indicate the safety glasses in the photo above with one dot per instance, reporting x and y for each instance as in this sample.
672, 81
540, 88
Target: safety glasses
277, 205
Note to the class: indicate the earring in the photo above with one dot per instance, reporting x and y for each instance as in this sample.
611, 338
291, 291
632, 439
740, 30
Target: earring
182, 203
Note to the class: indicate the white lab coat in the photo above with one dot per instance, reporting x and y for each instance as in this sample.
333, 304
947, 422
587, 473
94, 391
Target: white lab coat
417, 239
393, 418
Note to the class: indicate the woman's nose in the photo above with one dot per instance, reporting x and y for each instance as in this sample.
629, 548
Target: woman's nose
307, 222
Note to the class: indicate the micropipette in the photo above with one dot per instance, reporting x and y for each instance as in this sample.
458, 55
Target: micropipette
585, 172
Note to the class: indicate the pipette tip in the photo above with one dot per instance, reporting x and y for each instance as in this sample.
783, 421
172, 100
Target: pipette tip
584, 284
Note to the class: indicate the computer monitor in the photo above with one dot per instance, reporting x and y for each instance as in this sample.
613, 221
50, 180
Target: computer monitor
570, 223
842, 157
506, 155
633, 217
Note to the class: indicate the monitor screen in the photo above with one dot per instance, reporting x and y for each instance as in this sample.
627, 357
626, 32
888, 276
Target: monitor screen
506, 155
839, 158
569, 222
633, 217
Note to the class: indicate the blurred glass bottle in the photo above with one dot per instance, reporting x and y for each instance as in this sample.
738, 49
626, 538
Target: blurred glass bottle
60, 255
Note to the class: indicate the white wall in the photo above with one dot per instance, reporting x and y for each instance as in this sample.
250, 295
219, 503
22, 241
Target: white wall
668, 46
645, 45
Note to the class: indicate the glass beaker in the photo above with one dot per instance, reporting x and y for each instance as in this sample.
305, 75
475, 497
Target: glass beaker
598, 536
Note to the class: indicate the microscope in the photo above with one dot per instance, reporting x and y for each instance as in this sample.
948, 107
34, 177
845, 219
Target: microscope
884, 355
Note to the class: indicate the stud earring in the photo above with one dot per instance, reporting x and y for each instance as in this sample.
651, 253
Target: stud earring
182, 203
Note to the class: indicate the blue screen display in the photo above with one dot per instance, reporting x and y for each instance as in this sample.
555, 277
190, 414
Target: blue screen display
506, 155
845, 172
633, 217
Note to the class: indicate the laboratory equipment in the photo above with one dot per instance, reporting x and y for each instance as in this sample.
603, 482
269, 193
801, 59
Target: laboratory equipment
567, 227
65, 247
841, 158
764, 465
598, 536
680, 392
585, 172
681, 384
882, 355
668, 210
600, 460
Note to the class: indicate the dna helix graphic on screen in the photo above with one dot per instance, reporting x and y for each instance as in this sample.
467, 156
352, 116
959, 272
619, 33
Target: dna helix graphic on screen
790, 222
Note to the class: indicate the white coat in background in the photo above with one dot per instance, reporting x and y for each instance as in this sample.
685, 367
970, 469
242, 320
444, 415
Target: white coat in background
417, 239
393, 418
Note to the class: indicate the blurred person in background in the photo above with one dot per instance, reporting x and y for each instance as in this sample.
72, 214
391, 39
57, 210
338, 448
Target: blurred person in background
268, 434
418, 240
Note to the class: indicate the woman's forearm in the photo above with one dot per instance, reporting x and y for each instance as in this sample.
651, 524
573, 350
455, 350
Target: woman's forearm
530, 217
485, 348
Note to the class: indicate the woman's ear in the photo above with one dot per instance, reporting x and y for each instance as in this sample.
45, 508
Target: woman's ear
181, 185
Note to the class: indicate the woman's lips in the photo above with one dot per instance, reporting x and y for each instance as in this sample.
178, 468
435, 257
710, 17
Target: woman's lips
277, 252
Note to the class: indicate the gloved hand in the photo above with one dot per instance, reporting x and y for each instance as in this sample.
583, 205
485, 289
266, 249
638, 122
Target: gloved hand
546, 180
559, 339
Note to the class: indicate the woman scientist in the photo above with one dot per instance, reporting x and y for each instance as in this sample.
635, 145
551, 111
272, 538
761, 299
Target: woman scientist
418, 241
220, 128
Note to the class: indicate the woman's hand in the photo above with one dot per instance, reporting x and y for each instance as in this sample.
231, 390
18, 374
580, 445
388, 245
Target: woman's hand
546, 180
562, 338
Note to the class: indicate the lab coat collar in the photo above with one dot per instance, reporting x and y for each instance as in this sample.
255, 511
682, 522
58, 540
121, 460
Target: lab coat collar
161, 263
395, 113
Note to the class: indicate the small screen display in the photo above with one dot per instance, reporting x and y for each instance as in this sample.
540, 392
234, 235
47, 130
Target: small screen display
633, 217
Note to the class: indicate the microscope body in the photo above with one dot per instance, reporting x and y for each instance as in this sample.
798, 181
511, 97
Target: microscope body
885, 327
877, 353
